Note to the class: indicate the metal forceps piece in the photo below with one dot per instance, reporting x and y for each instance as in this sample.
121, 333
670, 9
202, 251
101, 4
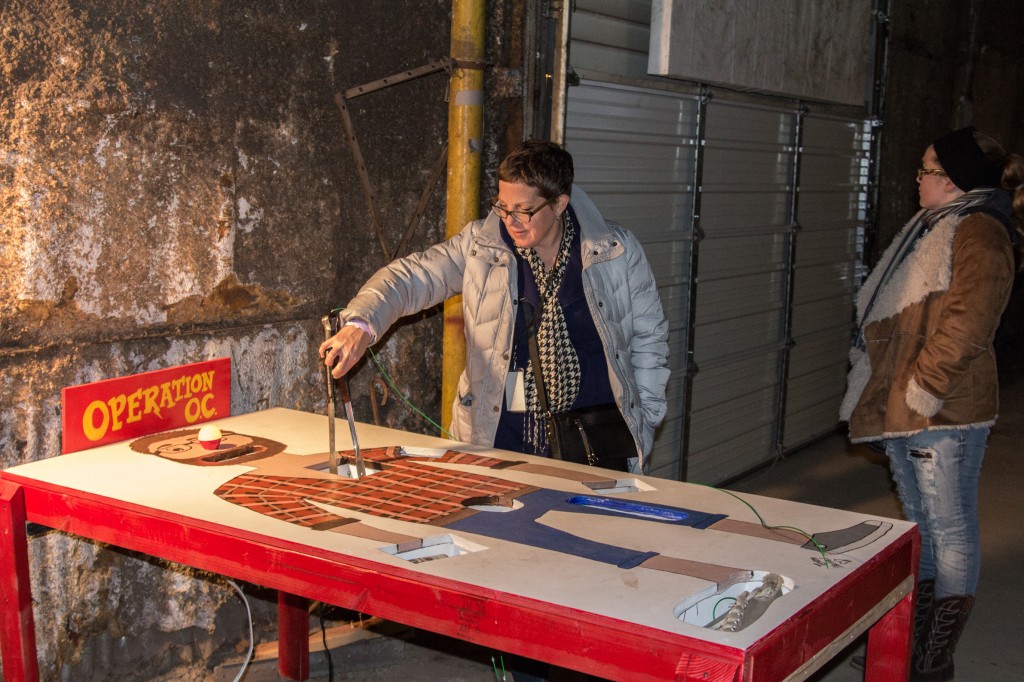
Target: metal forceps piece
360, 468
333, 461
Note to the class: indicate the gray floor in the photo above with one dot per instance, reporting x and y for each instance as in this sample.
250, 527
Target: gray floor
829, 473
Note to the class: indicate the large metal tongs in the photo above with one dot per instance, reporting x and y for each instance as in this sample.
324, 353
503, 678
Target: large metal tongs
360, 468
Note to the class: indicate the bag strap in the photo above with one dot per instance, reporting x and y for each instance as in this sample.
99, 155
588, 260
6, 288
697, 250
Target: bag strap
538, 375
538, 372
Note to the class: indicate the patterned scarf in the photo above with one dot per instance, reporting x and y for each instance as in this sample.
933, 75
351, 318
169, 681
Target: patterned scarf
560, 366
994, 201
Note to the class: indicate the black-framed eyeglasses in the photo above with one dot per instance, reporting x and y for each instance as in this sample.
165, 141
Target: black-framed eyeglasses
521, 216
921, 172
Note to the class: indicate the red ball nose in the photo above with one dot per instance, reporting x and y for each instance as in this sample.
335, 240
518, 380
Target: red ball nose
210, 437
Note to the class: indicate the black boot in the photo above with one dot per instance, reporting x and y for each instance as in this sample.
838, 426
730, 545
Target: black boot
922, 610
933, 653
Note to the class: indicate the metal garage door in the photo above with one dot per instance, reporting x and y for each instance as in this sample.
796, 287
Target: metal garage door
634, 152
740, 322
832, 212
751, 216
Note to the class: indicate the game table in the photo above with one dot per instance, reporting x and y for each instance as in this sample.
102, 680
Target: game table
622, 576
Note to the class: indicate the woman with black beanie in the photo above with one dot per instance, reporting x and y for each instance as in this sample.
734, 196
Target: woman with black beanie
923, 382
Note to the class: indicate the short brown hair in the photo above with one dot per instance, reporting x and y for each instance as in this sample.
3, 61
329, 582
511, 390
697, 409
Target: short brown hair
540, 164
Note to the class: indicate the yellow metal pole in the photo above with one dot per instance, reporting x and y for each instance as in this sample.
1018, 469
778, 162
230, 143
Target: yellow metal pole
465, 147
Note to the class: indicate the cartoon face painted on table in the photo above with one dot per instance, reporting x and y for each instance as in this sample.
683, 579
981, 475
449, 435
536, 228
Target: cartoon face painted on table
184, 447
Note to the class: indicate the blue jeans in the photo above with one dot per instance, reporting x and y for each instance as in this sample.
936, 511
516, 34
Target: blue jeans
936, 474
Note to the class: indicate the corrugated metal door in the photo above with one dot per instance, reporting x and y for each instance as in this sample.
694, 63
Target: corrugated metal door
762, 297
832, 210
740, 322
634, 154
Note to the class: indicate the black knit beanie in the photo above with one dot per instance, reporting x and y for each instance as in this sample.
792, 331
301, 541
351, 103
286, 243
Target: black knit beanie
964, 162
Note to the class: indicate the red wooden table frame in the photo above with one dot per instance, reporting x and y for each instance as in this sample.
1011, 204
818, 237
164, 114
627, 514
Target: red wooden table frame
875, 595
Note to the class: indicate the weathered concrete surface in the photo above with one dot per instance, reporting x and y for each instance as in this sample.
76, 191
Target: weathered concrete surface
951, 64
175, 186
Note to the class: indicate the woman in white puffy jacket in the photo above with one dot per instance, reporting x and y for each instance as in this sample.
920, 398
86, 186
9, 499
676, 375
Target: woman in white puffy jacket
543, 255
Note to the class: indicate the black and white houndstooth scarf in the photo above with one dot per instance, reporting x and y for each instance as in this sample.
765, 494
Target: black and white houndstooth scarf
560, 366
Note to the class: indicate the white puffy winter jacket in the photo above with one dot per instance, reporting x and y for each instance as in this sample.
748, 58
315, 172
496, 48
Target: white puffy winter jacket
620, 291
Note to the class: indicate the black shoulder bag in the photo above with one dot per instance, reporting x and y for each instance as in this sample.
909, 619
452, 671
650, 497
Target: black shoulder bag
596, 435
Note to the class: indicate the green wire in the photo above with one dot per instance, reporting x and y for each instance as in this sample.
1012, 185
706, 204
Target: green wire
391, 385
821, 549
405, 400
714, 609
495, 664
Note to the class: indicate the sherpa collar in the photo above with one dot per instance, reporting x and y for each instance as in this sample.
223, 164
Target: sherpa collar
928, 268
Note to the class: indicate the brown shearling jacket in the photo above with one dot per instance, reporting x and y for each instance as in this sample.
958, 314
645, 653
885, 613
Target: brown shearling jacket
929, 360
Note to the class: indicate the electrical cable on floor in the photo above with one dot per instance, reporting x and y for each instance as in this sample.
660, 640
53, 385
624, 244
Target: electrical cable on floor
503, 676
327, 652
252, 641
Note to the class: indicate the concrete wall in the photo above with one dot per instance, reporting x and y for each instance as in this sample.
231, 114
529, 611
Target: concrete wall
952, 64
175, 186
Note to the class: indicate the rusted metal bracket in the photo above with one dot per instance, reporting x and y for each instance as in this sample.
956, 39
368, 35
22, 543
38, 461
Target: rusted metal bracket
364, 177
377, 383
421, 205
445, 64
388, 81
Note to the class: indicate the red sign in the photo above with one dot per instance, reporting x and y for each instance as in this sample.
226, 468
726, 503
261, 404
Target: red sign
138, 405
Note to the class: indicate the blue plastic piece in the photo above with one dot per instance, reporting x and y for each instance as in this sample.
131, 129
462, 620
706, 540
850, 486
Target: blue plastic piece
627, 507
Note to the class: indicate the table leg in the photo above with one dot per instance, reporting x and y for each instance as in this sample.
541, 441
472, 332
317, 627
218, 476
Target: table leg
292, 636
17, 631
888, 656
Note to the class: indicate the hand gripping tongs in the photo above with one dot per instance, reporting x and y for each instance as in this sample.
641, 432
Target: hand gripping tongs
360, 469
